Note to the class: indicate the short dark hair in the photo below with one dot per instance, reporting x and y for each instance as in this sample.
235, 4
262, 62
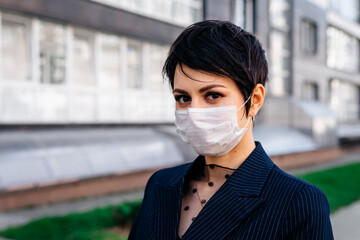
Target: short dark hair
222, 48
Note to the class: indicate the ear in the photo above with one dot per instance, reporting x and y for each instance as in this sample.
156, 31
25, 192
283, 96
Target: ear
257, 99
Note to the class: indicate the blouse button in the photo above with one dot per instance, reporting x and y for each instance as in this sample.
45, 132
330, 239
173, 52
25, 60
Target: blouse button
186, 208
211, 166
194, 190
211, 184
203, 201
227, 176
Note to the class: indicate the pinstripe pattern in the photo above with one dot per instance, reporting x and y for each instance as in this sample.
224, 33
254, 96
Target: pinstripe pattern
258, 201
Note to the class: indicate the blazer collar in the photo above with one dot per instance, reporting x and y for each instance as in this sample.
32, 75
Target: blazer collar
228, 207
247, 180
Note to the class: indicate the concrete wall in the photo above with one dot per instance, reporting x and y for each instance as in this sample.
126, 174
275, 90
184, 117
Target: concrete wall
309, 67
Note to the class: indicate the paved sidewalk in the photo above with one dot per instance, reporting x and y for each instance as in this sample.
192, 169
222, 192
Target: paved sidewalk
346, 222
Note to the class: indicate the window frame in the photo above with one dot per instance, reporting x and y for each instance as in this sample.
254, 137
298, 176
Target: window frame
305, 47
28, 23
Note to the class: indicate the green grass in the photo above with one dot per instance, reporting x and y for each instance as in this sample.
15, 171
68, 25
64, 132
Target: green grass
341, 185
98, 235
80, 226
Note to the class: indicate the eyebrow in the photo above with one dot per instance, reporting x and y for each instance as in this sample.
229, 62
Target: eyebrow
204, 89
201, 90
179, 91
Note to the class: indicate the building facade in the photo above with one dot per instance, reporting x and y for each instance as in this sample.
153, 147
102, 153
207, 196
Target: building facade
327, 55
88, 61
99, 61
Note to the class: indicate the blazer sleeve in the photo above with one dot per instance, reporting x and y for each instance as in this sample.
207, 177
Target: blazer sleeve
308, 216
145, 212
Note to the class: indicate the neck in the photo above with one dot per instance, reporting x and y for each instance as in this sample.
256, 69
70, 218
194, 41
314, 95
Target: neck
237, 155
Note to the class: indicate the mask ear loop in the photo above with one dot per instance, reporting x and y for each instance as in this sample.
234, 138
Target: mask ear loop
244, 103
242, 106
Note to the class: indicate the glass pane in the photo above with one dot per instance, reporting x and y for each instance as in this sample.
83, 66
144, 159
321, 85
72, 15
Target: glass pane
52, 53
345, 105
342, 50
238, 15
182, 12
83, 59
310, 91
135, 66
158, 56
279, 53
15, 51
308, 40
279, 11
279, 63
277, 85
110, 62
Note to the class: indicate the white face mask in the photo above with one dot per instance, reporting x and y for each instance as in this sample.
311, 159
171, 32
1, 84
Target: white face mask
210, 131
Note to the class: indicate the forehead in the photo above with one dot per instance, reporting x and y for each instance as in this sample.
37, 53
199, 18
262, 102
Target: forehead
191, 78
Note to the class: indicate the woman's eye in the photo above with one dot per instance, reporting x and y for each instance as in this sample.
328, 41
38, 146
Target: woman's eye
213, 96
182, 99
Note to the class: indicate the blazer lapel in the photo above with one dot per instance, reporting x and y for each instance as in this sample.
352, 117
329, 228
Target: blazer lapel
225, 210
167, 212
234, 201
168, 204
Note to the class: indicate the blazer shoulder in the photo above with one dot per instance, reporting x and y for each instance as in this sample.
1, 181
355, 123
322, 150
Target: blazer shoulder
296, 184
170, 174
307, 214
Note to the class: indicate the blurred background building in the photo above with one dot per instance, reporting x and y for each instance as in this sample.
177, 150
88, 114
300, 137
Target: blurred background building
83, 78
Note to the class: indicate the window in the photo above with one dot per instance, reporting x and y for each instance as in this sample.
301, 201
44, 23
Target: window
279, 13
15, 48
310, 91
344, 99
342, 50
134, 65
157, 56
279, 60
83, 55
308, 37
176, 11
110, 64
185, 12
52, 53
279, 63
243, 14
83, 76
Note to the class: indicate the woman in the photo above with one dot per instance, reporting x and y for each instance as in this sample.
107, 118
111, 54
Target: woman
232, 190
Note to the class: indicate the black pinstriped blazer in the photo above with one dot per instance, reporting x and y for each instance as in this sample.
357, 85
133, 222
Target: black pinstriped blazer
258, 201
